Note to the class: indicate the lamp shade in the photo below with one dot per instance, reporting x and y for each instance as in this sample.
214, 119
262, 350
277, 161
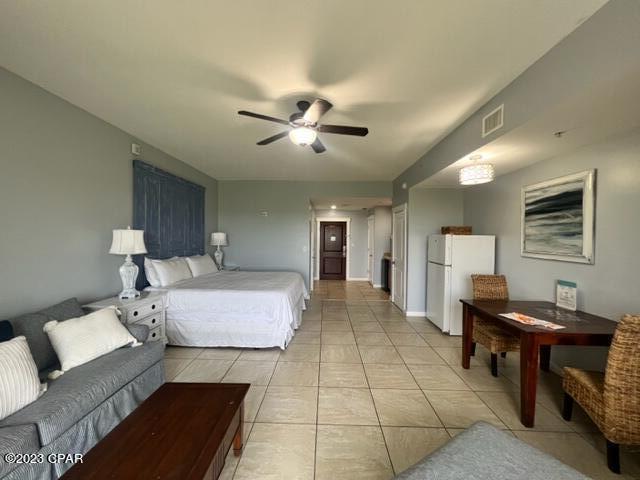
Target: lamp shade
219, 238
302, 136
128, 242
476, 174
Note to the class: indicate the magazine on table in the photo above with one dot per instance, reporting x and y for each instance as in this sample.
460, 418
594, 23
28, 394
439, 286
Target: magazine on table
527, 320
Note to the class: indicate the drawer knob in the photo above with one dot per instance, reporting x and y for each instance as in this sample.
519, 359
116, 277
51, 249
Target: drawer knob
153, 320
153, 306
153, 334
135, 313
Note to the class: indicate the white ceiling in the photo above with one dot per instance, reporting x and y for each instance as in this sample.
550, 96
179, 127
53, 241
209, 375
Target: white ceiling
174, 74
350, 203
593, 115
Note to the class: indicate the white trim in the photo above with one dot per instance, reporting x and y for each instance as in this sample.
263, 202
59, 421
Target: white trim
400, 208
376, 285
371, 250
416, 314
357, 279
317, 246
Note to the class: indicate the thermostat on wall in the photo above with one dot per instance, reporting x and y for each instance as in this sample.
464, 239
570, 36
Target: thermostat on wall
136, 149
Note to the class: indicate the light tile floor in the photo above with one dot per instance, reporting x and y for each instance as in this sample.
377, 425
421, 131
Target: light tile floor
363, 393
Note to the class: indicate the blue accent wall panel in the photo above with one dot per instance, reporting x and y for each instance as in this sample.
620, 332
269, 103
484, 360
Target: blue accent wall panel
170, 210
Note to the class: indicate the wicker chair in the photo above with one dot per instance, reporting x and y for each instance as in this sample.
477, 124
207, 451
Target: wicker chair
611, 399
487, 333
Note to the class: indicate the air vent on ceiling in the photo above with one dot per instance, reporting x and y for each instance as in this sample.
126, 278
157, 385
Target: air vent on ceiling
493, 121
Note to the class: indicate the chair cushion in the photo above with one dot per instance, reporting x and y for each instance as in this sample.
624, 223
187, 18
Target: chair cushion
586, 388
82, 389
31, 324
481, 452
17, 439
494, 338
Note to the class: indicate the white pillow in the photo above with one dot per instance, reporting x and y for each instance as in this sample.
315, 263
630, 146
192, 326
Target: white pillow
171, 271
151, 272
201, 265
82, 339
19, 383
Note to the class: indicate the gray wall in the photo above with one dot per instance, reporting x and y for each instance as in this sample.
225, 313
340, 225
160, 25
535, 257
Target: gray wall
381, 240
65, 183
602, 48
357, 242
609, 287
279, 241
429, 210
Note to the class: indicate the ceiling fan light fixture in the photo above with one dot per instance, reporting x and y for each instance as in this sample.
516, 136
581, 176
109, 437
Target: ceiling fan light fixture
476, 174
303, 136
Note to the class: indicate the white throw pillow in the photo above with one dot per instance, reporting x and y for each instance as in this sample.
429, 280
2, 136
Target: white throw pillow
150, 273
19, 383
201, 265
171, 271
80, 340
150, 270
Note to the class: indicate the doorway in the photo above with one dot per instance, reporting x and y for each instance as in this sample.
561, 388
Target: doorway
398, 260
333, 250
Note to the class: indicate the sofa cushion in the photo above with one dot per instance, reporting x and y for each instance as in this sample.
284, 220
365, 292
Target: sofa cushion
80, 390
482, 451
6, 330
31, 324
16, 439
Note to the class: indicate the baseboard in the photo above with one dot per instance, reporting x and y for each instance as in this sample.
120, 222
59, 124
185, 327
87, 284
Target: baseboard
377, 285
416, 314
555, 368
357, 279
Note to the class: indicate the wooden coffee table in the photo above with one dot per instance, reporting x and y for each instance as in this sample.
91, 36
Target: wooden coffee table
182, 431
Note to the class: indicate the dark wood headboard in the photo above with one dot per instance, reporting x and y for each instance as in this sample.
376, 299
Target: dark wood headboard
170, 210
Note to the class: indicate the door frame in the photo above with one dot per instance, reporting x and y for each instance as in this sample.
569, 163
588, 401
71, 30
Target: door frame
399, 208
371, 242
317, 245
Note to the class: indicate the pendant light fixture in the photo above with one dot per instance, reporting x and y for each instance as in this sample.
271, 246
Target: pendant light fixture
476, 173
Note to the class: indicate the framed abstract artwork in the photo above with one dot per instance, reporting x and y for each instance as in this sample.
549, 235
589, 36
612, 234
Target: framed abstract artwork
558, 218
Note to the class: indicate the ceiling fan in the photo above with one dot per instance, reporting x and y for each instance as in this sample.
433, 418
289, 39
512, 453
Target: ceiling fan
305, 126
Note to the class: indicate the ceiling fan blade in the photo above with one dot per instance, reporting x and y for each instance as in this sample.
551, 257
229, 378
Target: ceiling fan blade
303, 105
317, 109
343, 130
317, 146
269, 140
262, 117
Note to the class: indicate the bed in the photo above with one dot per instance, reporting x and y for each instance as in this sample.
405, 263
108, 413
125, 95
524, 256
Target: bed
235, 309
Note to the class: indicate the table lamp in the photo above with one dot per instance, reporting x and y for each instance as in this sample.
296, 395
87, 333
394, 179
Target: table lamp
219, 239
128, 242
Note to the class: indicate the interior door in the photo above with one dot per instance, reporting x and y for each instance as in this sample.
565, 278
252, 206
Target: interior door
370, 248
333, 250
398, 258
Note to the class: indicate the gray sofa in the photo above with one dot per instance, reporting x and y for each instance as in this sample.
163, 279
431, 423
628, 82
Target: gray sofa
482, 452
82, 406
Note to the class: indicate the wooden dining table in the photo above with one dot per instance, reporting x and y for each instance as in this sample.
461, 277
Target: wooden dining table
581, 328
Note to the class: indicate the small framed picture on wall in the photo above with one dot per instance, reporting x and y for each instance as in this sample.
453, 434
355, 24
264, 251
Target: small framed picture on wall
558, 218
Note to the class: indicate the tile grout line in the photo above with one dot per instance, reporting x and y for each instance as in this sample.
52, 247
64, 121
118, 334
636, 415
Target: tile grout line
375, 409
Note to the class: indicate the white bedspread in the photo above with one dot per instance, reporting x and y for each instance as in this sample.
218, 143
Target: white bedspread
235, 309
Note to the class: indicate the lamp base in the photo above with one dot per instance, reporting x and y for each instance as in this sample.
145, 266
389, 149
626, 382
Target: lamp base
128, 274
218, 255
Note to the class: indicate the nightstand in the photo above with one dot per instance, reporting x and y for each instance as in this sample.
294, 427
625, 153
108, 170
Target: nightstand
147, 309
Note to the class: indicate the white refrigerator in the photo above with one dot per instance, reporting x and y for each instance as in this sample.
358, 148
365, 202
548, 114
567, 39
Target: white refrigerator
451, 261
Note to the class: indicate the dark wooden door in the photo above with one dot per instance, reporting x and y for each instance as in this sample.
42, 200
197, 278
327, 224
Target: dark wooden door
333, 250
